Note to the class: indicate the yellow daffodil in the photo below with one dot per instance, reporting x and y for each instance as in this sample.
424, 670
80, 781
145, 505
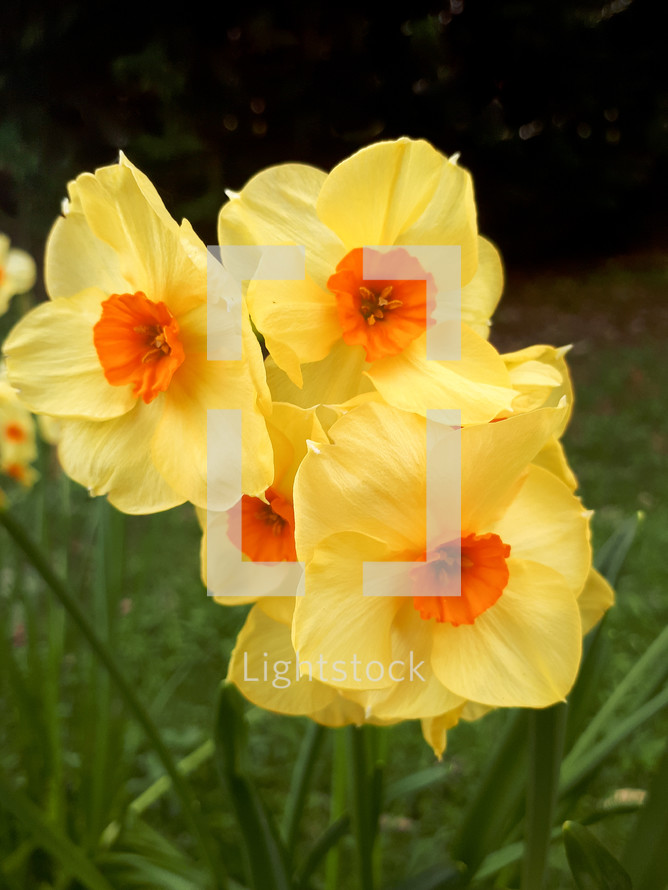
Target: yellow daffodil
18, 448
119, 354
362, 333
513, 637
260, 529
17, 272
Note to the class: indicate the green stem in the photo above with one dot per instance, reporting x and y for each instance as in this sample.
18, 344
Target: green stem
546, 744
337, 808
301, 778
189, 802
360, 800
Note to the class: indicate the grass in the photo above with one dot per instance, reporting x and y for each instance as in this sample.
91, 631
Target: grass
173, 642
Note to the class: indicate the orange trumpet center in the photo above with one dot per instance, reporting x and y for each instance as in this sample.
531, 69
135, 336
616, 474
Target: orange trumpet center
137, 342
267, 530
479, 562
385, 314
15, 433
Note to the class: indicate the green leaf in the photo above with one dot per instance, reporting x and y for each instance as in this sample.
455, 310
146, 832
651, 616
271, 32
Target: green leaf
301, 777
50, 839
265, 855
611, 556
646, 853
496, 804
576, 769
436, 878
105, 655
592, 865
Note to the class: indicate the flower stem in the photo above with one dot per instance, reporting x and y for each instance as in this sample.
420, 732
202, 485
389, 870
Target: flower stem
546, 744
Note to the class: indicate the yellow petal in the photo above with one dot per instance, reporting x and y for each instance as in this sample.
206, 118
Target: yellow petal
334, 380
113, 457
402, 192
594, 600
76, 259
278, 207
541, 378
263, 666
371, 479
289, 429
298, 320
494, 457
524, 651
152, 255
434, 730
478, 384
480, 297
552, 457
416, 692
52, 361
334, 589
547, 524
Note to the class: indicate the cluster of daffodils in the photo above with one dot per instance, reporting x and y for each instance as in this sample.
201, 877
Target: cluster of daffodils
387, 490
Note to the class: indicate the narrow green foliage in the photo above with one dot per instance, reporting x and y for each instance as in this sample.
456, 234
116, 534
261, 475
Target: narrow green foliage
593, 867
265, 855
646, 852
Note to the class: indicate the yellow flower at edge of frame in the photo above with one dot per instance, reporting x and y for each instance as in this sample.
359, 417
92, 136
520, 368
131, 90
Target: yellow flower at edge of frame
119, 354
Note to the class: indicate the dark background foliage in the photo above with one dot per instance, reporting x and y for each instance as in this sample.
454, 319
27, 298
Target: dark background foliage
559, 108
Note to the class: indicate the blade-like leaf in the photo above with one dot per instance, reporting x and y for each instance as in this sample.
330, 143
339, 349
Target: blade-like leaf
592, 865
58, 845
611, 555
266, 856
497, 801
646, 853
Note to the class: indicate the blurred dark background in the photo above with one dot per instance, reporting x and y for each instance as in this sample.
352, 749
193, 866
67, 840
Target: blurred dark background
559, 109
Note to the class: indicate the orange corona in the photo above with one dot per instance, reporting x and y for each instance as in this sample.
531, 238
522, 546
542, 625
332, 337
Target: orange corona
267, 529
383, 316
484, 576
137, 342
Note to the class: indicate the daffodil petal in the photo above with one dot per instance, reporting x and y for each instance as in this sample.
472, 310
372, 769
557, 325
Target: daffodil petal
75, 259
546, 523
114, 458
402, 192
494, 456
480, 296
552, 457
265, 645
334, 588
478, 384
434, 731
524, 651
334, 380
415, 692
277, 206
335, 493
148, 243
298, 320
52, 361
594, 600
